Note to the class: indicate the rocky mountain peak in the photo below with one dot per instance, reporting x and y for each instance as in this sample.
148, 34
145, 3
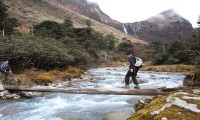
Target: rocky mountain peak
167, 16
168, 26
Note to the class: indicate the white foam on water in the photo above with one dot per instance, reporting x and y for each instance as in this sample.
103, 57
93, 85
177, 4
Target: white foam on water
90, 106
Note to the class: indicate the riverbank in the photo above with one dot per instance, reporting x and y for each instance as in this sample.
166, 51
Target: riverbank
169, 68
156, 68
33, 77
175, 105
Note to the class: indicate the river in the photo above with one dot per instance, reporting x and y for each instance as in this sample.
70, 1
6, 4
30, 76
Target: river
62, 106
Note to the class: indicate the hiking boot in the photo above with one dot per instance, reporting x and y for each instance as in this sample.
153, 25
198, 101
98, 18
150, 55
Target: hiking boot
137, 87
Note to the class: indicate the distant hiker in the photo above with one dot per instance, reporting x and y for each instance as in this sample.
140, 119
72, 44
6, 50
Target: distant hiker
133, 69
5, 70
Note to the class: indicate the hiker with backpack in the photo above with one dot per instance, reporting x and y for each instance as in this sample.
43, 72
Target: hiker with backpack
5, 70
133, 69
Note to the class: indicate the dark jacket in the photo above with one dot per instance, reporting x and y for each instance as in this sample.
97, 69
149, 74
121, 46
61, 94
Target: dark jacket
4, 69
132, 60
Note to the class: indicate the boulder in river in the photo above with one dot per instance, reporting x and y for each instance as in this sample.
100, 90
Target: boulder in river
69, 117
118, 115
191, 80
7, 95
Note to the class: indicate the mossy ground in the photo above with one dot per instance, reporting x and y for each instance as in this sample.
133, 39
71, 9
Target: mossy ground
171, 113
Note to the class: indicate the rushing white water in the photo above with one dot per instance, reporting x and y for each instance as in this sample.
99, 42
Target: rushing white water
61, 106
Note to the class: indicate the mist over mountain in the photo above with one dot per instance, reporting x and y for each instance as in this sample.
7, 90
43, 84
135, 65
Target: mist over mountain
168, 26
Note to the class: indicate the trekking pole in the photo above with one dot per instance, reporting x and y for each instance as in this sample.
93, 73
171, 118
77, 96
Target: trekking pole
16, 81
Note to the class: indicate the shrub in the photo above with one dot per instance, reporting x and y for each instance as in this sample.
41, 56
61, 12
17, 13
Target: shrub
125, 46
53, 72
72, 70
29, 52
43, 80
67, 76
197, 74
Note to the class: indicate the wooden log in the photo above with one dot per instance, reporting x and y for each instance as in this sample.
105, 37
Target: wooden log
119, 91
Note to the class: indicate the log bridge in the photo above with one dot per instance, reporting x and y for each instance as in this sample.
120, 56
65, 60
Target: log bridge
117, 91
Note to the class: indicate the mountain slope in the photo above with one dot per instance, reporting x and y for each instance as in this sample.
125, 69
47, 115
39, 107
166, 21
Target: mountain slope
91, 10
30, 12
167, 26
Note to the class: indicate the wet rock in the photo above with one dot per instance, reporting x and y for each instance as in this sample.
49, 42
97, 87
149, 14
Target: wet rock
4, 93
100, 78
33, 94
86, 77
7, 95
142, 81
132, 101
118, 116
190, 81
69, 117
61, 84
142, 103
135, 100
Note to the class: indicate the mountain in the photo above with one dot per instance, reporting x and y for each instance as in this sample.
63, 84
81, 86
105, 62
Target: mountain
89, 9
168, 26
31, 12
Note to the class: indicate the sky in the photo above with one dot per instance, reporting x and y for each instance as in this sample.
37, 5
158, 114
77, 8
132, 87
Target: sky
137, 10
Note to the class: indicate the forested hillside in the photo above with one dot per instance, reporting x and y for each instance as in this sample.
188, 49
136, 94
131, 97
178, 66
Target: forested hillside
53, 44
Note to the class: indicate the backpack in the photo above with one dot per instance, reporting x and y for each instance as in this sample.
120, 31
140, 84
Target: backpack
1, 62
139, 62
1, 65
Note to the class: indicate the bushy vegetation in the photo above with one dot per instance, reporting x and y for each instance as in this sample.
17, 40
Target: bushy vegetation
43, 80
28, 52
56, 45
125, 46
186, 51
7, 23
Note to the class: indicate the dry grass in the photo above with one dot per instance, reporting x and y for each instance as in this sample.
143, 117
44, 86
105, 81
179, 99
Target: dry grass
45, 78
33, 76
169, 68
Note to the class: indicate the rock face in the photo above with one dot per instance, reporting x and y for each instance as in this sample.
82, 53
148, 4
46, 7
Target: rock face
91, 10
167, 26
